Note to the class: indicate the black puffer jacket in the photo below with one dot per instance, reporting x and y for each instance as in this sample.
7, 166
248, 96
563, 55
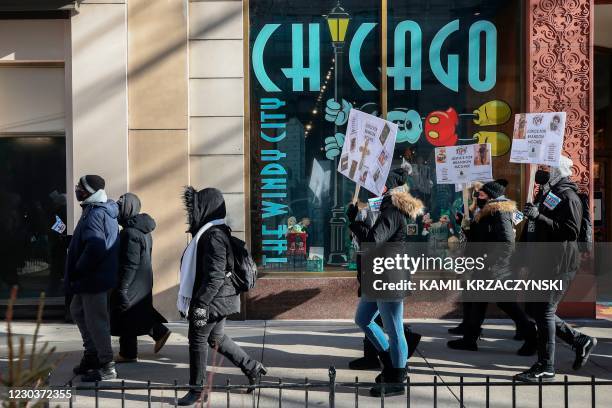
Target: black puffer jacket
493, 223
391, 225
132, 301
212, 287
559, 227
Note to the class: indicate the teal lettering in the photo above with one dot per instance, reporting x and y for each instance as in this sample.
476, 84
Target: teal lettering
273, 169
355, 56
298, 72
400, 71
449, 77
272, 209
490, 77
258, 60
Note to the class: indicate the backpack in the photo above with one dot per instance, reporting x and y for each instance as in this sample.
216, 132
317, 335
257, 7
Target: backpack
244, 270
585, 237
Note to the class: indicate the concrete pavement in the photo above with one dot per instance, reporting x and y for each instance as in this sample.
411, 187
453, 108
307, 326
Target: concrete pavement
293, 350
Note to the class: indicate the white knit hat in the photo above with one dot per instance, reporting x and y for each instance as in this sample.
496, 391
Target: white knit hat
565, 166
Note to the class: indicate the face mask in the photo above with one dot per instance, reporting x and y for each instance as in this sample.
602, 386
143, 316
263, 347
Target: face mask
81, 195
481, 202
542, 177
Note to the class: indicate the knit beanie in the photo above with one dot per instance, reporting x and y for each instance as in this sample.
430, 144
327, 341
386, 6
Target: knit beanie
495, 189
92, 183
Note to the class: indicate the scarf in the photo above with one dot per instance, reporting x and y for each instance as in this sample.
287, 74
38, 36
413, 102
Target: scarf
97, 197
188, 269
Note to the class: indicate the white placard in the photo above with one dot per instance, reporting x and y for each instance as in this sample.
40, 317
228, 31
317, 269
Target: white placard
367, 152
538, 138
463, 164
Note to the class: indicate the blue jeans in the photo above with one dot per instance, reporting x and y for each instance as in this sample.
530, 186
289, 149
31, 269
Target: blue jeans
392, 314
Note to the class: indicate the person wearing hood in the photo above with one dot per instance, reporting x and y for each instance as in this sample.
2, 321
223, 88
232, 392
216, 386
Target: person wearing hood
206, 292
92, 264
133, 313
493, 222
390, 226
556, 217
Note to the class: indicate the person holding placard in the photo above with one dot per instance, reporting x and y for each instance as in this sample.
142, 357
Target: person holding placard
390, 226
556, 217
493, 223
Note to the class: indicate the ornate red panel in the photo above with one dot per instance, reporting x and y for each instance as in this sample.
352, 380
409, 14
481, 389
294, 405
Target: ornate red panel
560, 74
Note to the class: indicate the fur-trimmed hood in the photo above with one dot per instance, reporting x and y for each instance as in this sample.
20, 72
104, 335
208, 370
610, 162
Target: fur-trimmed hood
407, 204
496, 206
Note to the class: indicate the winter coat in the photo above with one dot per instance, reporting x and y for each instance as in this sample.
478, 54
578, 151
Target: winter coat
212, 289
391, 224
559, 226
493, 223
132, 301
93, 255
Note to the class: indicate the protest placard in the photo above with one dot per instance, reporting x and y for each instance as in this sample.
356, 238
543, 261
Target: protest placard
367, 152
538, 138
463, 164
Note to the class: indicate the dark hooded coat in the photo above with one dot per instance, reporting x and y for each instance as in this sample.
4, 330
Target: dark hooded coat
212, 287
493, 224
392, 223
559, 227
132, 302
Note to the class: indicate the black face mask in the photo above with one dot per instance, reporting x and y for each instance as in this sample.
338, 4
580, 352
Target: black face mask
481, 202
542, 177
81, 195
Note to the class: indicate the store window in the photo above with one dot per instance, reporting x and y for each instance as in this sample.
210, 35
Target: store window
452, 77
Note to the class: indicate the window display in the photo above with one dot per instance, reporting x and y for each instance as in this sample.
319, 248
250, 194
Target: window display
453, 78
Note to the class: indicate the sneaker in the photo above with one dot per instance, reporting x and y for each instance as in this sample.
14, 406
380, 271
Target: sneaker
87, 363
119, 359
462, 344
161, 342
255, 375
535, 373
583, 345
105, 372
193, 397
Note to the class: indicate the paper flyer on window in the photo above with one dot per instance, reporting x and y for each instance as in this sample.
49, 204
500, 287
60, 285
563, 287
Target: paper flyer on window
538, 138
367, 152
463, 164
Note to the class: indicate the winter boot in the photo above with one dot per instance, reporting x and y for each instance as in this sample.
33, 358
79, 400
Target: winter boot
535, 373
458, 330
255, 375
105, 372
386, 363
463, 343
369, 361
193, 397
393, 383
583, 345
413, 339
88, 362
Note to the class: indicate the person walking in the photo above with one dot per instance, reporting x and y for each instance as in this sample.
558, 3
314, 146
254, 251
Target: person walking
390, 226
92, 263
206, 292
133, 313
556, 217
494, 223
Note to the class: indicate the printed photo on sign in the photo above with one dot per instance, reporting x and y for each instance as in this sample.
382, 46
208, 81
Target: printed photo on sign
538, 138
367, 158
463, 164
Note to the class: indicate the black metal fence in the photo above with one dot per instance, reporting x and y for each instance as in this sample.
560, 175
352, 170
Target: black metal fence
331, 387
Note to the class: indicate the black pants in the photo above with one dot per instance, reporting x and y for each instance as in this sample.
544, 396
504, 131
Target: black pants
128, 345
550, 325
474, 316
213, 335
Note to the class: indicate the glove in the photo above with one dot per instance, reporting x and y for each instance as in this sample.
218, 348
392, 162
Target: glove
123, 302
333, 145
336, 113
199, 316
351, 212
465, 223
531, 211
459, 217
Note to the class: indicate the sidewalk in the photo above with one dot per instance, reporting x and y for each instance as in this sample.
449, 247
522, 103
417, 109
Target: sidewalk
293, 350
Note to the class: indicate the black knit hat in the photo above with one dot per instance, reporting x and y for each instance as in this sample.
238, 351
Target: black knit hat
396, 178
495, 189
92, 183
